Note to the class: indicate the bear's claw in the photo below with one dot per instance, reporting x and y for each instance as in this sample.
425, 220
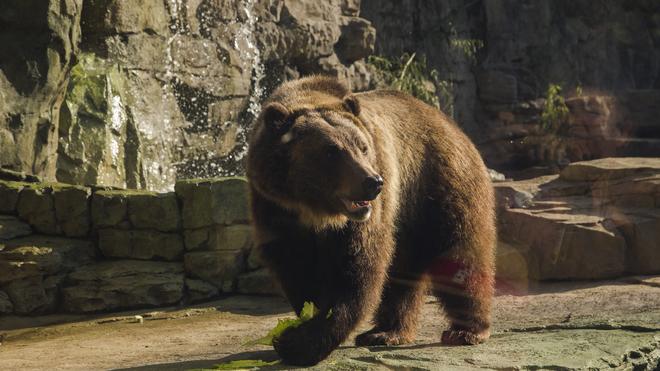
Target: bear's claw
464, 337
375, 338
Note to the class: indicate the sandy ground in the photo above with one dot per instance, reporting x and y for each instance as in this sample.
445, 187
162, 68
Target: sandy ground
555, 326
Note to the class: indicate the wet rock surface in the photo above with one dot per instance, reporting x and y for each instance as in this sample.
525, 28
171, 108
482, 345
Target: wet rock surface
599, 325
137, 94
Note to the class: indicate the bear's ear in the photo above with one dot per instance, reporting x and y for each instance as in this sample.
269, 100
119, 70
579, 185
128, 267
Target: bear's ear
276, 117
352, 105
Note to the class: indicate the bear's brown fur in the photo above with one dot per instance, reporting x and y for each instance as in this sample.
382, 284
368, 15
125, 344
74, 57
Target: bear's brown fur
315, 149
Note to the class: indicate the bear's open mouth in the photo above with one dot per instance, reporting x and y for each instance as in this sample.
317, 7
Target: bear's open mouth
356, 206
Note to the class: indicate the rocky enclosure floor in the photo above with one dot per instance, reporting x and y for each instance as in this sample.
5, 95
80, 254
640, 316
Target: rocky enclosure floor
556, 326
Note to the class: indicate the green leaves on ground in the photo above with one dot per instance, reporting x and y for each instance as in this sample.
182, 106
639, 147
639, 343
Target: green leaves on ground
308, 312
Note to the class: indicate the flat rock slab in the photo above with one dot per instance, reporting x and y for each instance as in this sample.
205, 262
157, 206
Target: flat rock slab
598, 219
610, 168
545, 350
559, 326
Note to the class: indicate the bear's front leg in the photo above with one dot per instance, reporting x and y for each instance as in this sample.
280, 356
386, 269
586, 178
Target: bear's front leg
293, 263
357, 289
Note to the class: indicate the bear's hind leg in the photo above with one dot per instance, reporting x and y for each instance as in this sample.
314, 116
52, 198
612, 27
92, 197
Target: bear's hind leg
466, 296
396, 319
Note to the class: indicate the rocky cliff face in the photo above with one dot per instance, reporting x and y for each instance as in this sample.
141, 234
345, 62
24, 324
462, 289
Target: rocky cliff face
136, 93
38, 41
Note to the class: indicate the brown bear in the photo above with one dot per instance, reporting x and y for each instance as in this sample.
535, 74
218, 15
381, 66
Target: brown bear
362, 202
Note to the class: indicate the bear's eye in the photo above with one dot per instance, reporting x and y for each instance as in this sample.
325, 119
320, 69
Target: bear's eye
332, 151
364, 149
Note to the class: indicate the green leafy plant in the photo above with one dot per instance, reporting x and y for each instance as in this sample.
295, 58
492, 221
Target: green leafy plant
409, 75
469, 47
555, 110
308, 312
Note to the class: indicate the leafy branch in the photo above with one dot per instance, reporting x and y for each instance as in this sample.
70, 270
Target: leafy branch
409, 74
555, 111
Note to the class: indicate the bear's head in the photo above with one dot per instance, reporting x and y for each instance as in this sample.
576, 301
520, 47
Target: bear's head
310, 153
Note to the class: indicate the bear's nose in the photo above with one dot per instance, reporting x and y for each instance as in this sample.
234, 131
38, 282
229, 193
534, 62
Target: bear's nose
373, 185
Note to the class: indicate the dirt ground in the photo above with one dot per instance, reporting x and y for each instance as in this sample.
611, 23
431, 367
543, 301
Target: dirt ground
559, 326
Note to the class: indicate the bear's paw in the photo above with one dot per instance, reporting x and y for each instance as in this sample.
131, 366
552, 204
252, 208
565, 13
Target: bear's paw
376, 338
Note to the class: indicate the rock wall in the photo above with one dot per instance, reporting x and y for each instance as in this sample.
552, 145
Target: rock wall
66, 248
595, 126
38, 42
500, 56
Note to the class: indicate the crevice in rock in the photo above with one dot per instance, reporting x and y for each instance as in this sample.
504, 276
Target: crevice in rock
595, 326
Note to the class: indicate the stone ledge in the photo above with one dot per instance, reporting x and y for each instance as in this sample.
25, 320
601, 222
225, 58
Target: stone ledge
42, 255
121, 284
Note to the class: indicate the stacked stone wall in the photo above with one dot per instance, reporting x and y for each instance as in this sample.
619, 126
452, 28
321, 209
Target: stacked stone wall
66, 248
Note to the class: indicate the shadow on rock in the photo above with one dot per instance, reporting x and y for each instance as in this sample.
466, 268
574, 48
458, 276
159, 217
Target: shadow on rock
263, 355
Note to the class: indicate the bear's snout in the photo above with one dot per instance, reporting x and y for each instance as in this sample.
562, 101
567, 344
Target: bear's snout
372, 186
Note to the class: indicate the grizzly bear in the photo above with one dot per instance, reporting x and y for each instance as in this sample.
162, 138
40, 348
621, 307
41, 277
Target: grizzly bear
362, 202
